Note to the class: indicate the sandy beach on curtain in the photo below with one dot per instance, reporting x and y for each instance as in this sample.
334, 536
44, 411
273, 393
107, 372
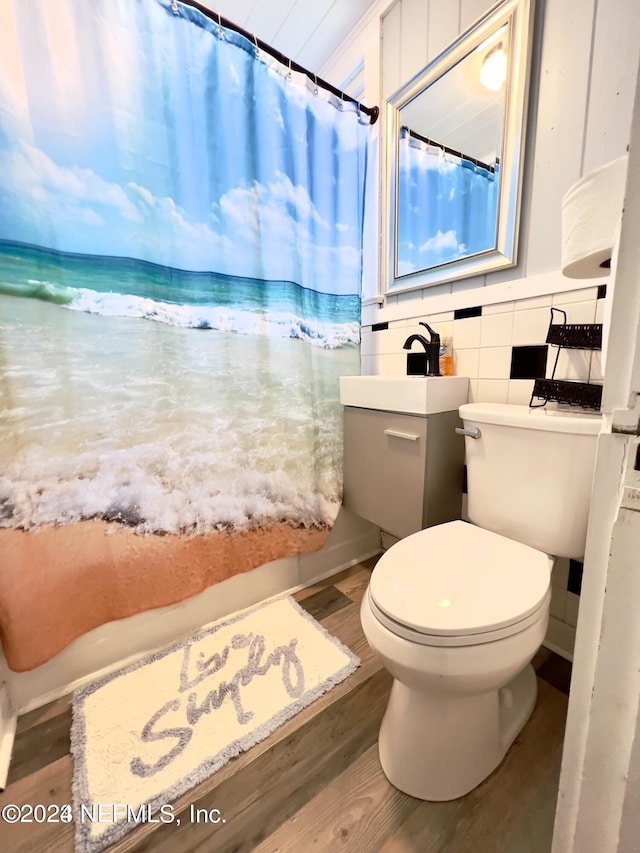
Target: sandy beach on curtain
59, 582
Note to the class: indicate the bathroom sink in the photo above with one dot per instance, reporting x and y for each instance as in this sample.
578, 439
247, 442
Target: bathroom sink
413, 395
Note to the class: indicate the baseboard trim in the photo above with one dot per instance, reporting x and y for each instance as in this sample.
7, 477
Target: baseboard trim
563, 653
8, 722
560, 638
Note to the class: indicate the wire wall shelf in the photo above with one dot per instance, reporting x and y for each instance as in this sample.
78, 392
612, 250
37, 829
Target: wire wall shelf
584, 336
575, 335
583, 394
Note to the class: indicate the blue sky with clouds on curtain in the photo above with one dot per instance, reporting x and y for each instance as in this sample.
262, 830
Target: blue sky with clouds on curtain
139, 147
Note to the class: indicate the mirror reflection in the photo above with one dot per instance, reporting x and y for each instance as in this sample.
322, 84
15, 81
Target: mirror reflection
455, 144
449, 144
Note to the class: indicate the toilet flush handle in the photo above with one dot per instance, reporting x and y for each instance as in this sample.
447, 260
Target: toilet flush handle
472, 432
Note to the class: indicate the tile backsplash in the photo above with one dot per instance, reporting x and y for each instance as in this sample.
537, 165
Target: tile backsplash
502, 349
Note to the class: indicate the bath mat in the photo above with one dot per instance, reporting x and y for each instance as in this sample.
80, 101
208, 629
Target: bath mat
145, 734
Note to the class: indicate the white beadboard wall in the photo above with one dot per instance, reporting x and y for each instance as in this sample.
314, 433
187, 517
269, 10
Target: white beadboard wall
584, 67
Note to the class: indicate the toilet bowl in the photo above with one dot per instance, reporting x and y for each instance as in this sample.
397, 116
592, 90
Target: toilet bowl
458, 653
457, 611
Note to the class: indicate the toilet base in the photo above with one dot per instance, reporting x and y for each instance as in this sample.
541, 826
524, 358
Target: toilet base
438, 748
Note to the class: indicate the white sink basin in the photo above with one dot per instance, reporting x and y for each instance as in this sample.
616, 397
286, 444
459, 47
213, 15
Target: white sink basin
414, 395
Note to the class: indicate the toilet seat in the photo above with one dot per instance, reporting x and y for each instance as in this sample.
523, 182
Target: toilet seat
459, 585
450, 641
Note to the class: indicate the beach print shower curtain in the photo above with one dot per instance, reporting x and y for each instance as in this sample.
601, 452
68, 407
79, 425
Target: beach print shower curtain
180, 269
447, 206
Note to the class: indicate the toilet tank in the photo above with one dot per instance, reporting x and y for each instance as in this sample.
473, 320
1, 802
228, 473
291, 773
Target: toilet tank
530, 472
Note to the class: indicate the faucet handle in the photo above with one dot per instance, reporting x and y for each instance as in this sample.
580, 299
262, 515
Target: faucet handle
435, 337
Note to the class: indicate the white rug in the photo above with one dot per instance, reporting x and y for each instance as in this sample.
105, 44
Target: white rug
146, 734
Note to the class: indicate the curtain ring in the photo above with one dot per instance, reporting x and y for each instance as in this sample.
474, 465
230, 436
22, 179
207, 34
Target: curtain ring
290, 74
315, 80
174, 6
220, 30
255, 41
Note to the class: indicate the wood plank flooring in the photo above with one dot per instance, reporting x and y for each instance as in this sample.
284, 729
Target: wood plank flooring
316, 783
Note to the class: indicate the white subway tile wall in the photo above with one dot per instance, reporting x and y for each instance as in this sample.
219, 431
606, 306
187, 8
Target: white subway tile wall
560, 574
571, 364
520, 391
596, 373
495, 362
493, 390
466, 332
482, 344
571, 609
558, 602
496, 330
560, 637
530, 326
466, 362
577, 311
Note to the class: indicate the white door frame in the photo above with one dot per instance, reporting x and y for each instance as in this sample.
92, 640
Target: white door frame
598, 808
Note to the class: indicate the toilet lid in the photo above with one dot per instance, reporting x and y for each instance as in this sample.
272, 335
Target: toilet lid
456, 579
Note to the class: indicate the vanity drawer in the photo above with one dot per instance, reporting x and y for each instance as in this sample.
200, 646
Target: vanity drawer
394, 476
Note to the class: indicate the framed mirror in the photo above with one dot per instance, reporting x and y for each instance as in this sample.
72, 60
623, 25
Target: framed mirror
454, 155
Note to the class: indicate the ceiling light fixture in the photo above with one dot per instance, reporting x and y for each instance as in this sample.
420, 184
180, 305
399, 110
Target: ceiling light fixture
494, 68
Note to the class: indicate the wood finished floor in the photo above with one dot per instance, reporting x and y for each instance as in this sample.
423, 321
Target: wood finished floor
316, 783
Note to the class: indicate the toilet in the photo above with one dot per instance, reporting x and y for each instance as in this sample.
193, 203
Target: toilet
457, 611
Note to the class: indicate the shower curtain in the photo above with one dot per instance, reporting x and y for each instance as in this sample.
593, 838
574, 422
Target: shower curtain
180, 268
447, 206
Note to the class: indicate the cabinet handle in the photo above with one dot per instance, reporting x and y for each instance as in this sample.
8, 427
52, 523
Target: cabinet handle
406, 435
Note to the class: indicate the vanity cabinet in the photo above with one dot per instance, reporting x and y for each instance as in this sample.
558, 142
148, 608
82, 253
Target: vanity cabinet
403, 472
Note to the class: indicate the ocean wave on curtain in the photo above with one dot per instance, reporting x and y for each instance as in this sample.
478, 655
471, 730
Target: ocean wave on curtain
180, 269
447, 205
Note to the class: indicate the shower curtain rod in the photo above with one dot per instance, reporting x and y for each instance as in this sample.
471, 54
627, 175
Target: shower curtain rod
372, 112
447, 150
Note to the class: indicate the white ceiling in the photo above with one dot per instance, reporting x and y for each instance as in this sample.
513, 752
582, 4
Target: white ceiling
458, 111
308, 31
